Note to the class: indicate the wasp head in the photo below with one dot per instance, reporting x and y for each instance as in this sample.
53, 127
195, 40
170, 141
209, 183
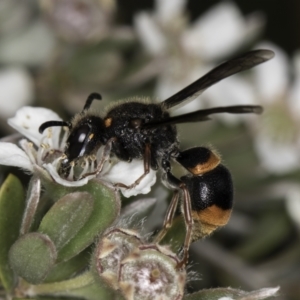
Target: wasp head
84, 140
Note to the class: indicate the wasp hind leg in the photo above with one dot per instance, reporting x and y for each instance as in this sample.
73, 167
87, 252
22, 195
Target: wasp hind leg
179, 188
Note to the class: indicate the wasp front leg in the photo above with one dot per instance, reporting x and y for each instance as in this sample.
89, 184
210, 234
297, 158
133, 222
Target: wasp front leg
147, 166
104, 158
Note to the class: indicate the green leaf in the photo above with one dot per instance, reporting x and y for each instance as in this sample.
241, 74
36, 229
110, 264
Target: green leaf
12, 204
66, 217
68, 269
32, 256
106, 210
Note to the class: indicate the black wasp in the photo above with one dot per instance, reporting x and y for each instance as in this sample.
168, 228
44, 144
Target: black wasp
138, 130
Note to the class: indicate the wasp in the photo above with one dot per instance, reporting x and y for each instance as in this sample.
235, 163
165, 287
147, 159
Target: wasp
146, 131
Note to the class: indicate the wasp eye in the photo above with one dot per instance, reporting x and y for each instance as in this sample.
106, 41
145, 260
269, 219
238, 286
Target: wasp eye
81, 137
77, 142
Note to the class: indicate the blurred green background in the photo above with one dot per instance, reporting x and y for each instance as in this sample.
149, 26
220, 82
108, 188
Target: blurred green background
54, 53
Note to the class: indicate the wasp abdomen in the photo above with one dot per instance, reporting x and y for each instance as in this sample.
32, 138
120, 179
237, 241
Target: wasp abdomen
211, 199
198, 160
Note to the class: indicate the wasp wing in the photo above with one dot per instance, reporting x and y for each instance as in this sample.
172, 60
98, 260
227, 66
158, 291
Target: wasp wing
203, 115
226, 69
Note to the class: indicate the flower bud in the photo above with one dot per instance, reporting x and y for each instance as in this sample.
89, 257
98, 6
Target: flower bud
150, 272
113, 247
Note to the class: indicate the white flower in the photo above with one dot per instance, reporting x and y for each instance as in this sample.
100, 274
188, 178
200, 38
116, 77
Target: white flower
220, 31
186, 51
43, 154
119, 173
277, 138
30, 156
276, 131
234, 90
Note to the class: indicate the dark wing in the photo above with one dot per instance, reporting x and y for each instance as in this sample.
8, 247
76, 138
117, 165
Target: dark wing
226, 69
202, 115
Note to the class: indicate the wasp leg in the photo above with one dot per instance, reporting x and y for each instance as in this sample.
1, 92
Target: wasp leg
189, 222
169, 217
147, 166
105, 157
178, 185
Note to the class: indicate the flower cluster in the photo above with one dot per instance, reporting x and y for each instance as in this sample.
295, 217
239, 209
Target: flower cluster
185, 49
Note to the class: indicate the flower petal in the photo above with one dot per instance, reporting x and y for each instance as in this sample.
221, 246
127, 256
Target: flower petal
56, 177
28, 120
275, 157
150, 34
272, 78
127, 173
219, 32
167, 11
232, 91
173, 79
12, 155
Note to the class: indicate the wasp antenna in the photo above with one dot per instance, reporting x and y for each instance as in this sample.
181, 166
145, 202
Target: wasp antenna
53, 123
90, 99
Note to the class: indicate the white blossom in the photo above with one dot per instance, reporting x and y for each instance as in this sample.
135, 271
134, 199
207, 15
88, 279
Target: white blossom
12, 155
186, 51
119, 173
277, 134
